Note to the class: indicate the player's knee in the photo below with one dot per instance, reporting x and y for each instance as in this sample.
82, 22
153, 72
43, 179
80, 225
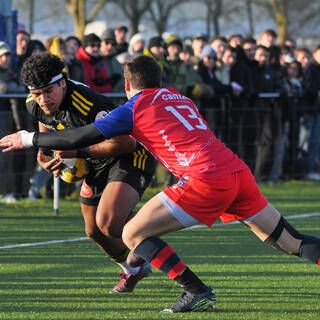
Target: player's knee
109, 226
128, 237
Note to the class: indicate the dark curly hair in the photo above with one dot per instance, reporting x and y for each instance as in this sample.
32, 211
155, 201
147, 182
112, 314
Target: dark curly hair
38, 70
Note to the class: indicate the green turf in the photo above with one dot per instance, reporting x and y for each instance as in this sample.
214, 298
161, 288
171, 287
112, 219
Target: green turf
71, 280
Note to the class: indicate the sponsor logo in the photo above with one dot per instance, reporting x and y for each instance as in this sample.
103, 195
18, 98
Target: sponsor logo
85, 191
182, 181
101, 115
168, 95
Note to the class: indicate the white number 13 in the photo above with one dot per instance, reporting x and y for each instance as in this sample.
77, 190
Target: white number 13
183, 120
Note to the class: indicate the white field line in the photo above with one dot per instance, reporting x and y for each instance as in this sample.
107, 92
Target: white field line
300, 216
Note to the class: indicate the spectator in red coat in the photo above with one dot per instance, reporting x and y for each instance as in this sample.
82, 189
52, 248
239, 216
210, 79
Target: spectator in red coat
95, 71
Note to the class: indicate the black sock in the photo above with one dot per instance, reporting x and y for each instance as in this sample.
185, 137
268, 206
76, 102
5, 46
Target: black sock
310, 249
190, 282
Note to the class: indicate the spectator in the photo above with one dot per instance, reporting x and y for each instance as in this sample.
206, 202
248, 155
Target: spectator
121, 44
95, 71
114, 67
156, 50
136, 45
290, 155
219, 45
269, 112
303, 55
197, 44
267, 38
251, 92
22, 41
235, 40
286, 56
291, 43
211, 108
11, 120
312, 117
35, 47
74, 44
186, 55
73, 64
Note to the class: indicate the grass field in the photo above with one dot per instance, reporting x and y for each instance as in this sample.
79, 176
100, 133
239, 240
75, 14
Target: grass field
71, 280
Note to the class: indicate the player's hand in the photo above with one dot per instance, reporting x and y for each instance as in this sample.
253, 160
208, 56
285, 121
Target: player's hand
65, 153
12, 142
53, 165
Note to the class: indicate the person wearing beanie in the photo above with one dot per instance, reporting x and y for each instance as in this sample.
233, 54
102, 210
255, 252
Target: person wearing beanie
206, 69
157, 50
108, 51
95, 71
207, 51
136, 45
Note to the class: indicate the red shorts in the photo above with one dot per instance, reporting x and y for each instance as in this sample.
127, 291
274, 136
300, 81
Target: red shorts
232, 197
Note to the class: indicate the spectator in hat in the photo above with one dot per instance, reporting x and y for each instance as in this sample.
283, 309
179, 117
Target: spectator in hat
183, 77
211, 108
186, 54
157, 50
136, 45
95, 71
121, 44
114, 67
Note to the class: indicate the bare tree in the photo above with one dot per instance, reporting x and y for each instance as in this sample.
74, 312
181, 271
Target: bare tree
160, 12
277, 11
280, 8
250, 17
78, 10
214, 12
134, 10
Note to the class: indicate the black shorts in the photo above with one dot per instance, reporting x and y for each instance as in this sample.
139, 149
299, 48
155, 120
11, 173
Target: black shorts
122, 170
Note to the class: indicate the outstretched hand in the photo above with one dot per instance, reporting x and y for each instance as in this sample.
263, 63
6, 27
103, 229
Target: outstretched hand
12, 142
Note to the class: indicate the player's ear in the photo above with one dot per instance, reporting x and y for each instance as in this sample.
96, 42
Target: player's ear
127, 85
63, 83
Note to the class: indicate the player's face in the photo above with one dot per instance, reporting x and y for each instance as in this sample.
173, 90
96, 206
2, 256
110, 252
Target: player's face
49, 98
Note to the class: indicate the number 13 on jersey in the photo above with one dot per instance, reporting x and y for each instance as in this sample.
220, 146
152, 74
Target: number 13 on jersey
183, 119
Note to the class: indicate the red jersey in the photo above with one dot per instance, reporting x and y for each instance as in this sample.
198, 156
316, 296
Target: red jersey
170, 127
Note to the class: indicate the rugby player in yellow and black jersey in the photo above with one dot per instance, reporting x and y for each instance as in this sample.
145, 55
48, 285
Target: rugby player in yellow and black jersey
120, 169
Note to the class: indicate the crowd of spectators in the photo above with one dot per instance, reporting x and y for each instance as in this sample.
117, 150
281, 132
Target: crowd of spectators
261, 98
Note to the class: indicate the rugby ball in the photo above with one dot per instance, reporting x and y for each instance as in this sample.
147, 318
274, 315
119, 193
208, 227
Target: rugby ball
73, 169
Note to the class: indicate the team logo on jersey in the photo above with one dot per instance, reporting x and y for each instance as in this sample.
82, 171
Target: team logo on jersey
85, 191
101, 114
60, 126
142, 181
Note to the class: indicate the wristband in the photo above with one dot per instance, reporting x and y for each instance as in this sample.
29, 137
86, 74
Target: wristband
83, 153
26, 138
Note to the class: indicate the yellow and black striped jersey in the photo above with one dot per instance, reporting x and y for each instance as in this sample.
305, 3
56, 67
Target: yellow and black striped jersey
81, 106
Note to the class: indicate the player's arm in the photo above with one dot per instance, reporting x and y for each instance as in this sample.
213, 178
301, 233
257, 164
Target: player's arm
117, 123
113, 147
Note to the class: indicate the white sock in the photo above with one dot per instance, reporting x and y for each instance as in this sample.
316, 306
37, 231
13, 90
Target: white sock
127, 269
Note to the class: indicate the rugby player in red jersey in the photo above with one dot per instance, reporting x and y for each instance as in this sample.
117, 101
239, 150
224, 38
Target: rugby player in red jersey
213, 181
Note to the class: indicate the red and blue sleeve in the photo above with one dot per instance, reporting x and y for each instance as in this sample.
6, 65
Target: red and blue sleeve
119, 121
